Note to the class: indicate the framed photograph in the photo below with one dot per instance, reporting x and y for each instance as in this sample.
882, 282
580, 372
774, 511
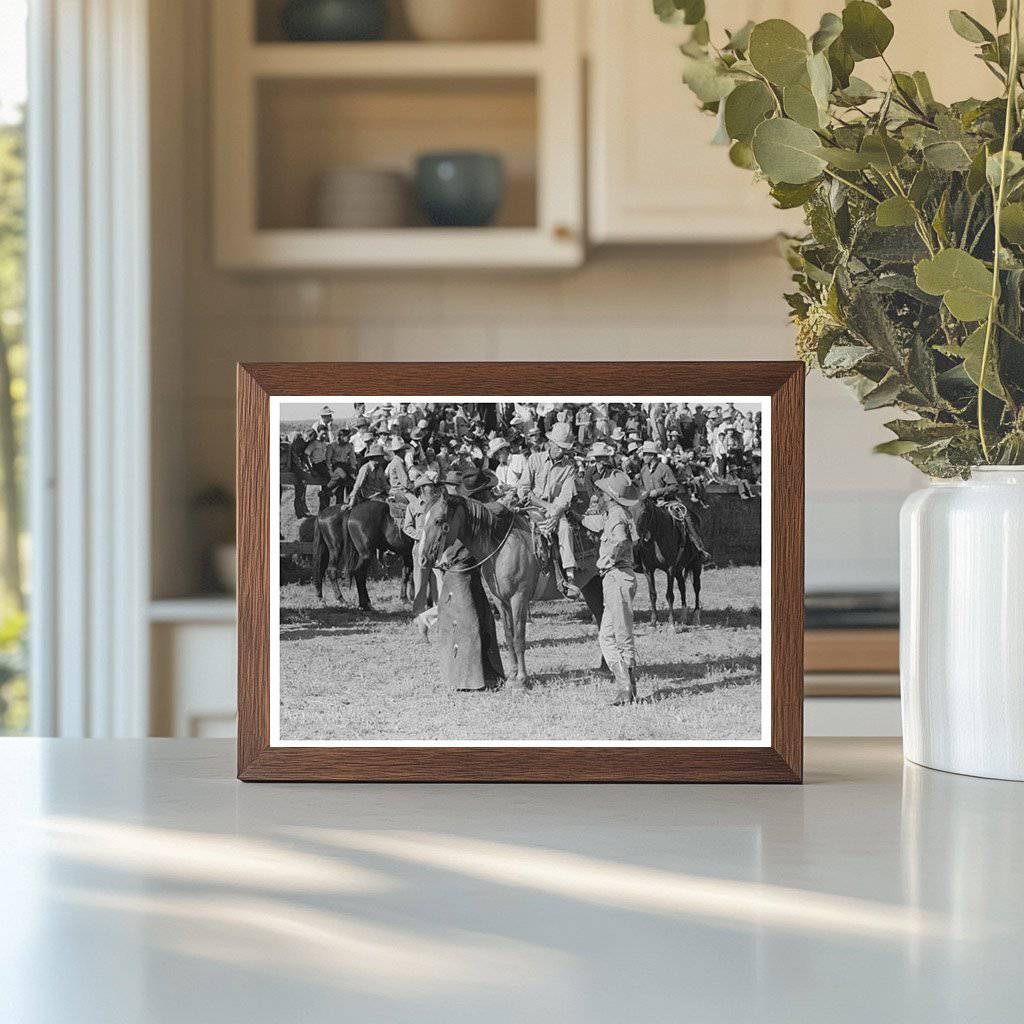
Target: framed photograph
520, 571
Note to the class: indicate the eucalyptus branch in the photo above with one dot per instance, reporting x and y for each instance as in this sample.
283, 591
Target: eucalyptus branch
1011, 109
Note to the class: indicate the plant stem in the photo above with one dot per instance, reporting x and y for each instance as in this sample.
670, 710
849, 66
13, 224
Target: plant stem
1011, 108
853, 185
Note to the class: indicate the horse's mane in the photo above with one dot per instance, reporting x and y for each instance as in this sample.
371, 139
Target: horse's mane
492, 523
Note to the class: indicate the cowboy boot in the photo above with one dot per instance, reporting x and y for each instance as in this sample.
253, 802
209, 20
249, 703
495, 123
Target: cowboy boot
627, 686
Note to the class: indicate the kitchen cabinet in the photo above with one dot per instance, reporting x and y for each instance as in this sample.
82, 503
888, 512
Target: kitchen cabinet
287, 114
653, 175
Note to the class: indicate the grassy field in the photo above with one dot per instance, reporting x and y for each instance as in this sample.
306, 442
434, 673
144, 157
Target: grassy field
348, 675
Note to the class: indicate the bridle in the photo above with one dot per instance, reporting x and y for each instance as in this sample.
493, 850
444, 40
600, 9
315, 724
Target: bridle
485, 560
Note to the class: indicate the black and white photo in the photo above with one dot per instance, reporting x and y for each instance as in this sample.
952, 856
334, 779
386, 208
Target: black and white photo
520, 570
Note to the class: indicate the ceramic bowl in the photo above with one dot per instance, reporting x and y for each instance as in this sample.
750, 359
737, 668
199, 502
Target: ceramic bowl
333, 21
460, 189
470, 20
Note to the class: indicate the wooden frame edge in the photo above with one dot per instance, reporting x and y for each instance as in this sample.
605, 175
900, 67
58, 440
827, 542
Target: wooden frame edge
782, 382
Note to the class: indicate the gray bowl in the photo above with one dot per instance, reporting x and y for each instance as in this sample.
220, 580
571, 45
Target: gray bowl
333, 21
460, 189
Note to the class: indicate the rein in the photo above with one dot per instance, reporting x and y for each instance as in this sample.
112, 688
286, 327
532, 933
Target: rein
508, 533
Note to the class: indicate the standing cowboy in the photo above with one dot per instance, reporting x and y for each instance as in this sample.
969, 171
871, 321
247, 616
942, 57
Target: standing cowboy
424, 488
299, 465
551, 477
371, 481
618, 582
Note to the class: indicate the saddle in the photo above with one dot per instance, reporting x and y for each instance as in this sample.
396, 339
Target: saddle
397, 505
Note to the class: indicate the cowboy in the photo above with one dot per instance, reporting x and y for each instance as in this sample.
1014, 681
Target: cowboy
656, 478
618, 582
341, 464
299, 468
316, 453
424, 488
327, 422
551, 477
396, 471
657, 481
371, 481
499, 453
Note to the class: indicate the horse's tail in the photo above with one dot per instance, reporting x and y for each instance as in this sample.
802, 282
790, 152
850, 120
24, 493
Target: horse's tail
321, 556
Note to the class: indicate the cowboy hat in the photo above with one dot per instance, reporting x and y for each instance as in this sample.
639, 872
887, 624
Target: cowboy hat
426, 476
396, 444
561, 434
618, 434
495, 446
374, 451
474, 481
619, 488
601, 450
650, 448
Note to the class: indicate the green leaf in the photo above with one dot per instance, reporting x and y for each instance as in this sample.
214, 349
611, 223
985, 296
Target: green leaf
999, 9
787, 151
690, 12
922, 185
745, 108
801, 106
857, 91
963, 281
819, 74
739, 41
788, 196
993, 167
841, 63
741, 155
885, 394
969, 28
976, 174
895, 447
1012, 224
922, 431
779, 51
895, 212
829, 30
882, 151
844, 159
866, 29
707, 78
971, 351
947, 156
924, 88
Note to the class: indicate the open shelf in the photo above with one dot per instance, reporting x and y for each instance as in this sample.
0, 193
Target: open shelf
309, 127
393, 60
287, 114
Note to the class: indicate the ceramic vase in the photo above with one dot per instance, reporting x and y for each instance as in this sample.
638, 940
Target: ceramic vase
962, 624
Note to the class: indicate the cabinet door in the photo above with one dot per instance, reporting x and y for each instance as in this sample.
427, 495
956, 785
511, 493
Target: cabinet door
654, 177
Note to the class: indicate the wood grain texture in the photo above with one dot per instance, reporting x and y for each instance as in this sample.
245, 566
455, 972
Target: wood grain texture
783, 382
852, 650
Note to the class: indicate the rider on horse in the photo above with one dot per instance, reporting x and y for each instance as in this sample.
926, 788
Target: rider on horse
371, 481
658, 483
550, 479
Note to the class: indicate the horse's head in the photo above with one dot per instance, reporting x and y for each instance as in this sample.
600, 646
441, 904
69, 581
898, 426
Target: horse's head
442, 525
645, 520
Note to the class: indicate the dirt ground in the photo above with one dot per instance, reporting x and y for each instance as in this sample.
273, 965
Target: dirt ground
348, 675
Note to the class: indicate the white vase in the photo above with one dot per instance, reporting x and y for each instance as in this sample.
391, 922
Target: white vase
962, 624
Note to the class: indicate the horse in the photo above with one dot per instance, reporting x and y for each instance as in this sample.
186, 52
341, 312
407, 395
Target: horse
501, 545
349, 539
665, 544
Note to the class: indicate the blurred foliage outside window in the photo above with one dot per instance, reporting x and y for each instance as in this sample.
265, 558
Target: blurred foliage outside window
14, 690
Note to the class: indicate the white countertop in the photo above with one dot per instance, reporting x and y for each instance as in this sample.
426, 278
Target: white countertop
140, 882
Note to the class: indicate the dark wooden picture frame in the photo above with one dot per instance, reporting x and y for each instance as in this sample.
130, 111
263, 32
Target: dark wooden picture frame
780, 761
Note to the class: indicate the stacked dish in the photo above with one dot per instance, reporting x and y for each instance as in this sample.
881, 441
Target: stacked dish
362, 197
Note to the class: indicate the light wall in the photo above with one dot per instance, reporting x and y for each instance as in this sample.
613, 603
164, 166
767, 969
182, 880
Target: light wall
652, 303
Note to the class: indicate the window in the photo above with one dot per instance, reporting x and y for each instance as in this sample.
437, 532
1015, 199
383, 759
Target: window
14, 693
